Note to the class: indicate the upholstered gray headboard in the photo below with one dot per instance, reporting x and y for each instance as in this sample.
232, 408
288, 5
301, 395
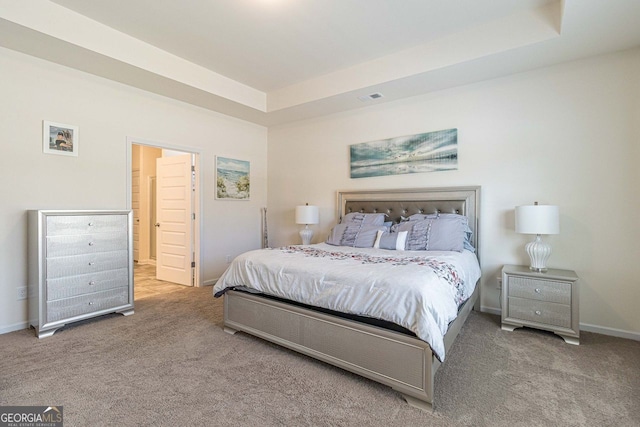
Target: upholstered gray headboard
405, 202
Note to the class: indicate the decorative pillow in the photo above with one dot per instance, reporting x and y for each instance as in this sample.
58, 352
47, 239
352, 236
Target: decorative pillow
463, 219
354, 235
446, 234
465, 224
393, 241
416, 234
414, 217
363, 218
442, 233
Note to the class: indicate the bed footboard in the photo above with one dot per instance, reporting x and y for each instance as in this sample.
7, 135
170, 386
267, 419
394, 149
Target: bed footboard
402, 362
394, 359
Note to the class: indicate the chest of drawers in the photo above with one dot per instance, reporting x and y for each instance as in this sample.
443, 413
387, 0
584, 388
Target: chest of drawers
541, 300
80, 266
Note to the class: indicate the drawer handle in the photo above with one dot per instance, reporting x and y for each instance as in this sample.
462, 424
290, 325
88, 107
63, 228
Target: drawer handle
90, 224
538, 290
91, 263
90, 243
91, 283
91, 303
538, 312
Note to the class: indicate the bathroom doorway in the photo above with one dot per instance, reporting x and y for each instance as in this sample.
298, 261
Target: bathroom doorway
157, 235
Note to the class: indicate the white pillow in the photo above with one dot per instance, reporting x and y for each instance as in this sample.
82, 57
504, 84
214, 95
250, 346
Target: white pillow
393, 241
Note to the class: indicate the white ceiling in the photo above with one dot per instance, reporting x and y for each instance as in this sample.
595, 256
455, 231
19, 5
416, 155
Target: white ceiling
270, 44
273, 61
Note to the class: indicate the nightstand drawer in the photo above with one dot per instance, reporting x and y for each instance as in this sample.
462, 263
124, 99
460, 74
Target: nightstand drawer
543, 312
541, 290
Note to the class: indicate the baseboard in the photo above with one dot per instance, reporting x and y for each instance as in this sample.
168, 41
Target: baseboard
209, 282
490, 310
620, 333
586, 327
14, 327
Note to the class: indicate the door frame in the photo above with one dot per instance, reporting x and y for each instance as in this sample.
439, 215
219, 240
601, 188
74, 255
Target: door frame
197, 206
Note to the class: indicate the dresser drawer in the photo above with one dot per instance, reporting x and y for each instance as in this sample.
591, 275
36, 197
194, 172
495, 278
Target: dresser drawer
89, 303
541, 290
548, 313
66, 287
66, 245
85, 224
84, 264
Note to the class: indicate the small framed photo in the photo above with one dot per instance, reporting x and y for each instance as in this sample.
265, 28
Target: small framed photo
58, 138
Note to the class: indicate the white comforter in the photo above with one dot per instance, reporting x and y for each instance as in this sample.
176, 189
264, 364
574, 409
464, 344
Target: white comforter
420, 291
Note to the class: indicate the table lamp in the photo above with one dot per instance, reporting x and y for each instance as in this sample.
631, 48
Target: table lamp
306, 215
538, 219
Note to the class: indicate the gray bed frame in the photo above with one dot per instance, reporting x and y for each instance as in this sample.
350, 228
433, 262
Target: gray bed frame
400, 361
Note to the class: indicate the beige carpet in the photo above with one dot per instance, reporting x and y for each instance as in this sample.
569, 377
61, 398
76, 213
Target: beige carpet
170, 364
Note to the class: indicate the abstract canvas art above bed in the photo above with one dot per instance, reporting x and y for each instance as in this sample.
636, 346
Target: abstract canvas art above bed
424, 152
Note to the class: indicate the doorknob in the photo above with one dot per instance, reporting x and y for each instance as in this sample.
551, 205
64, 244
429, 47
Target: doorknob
157, 224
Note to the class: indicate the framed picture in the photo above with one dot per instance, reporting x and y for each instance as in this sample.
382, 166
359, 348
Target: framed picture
423, 152
58, 138
233, 179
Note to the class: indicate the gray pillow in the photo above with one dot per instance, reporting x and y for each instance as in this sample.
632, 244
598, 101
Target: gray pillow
463, 219
446, 234
354, 235
442, 233
465, 225
363, 218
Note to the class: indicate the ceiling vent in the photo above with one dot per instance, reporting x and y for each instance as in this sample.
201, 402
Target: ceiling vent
370, 97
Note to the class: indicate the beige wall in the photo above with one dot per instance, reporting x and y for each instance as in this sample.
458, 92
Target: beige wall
107, 113
565, 135
147, 166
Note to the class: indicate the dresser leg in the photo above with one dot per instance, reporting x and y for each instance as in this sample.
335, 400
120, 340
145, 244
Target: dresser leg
48, 332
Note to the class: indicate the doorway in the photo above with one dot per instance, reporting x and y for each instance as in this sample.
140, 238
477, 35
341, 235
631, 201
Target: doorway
163, 193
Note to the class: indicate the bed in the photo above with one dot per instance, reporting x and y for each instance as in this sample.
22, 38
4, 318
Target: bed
394, 351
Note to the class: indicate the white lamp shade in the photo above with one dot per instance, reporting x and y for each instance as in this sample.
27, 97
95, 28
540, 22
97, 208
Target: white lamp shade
307, 215
538, 219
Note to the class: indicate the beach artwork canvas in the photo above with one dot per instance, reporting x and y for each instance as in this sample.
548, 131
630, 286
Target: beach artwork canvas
424, 152
232, 179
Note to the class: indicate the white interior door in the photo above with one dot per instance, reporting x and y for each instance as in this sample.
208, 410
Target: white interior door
174, 221
135, 206
153, 229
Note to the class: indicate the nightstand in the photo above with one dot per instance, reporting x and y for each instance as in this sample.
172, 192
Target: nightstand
546, 301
